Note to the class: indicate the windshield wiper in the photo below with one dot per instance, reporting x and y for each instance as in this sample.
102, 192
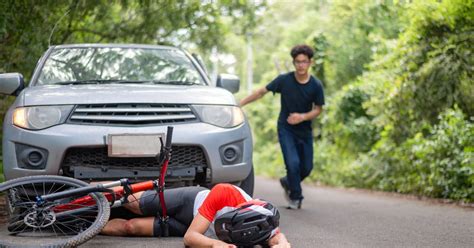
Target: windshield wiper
173, 82
170, 82
88, 81
116, 81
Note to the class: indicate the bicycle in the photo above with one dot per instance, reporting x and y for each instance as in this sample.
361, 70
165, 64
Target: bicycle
66, 212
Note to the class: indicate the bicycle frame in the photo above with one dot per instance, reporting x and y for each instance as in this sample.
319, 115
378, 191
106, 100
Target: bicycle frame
125, 190
89, 201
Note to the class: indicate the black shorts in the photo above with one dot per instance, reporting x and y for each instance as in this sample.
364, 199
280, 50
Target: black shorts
179, 206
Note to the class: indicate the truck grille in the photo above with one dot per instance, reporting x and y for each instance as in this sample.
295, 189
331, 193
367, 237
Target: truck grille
181, 156
131, 114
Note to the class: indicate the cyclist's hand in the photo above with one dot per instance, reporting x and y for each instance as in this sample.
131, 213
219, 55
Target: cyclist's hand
279, 241
282, 245
220, 244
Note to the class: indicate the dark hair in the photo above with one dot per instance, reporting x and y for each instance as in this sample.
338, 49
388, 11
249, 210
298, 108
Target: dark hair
302, 49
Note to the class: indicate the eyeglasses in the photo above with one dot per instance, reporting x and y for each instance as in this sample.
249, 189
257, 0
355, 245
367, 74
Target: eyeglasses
296, 62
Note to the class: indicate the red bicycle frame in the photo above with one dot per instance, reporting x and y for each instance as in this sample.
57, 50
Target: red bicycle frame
118, 193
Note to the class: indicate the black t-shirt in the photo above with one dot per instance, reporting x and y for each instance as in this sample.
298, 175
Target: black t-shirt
297, 98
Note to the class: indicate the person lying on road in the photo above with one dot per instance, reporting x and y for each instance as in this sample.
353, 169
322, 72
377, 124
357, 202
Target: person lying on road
220, 217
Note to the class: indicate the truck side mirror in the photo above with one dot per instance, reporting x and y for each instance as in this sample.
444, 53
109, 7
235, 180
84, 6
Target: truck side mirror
11, 83
228, 82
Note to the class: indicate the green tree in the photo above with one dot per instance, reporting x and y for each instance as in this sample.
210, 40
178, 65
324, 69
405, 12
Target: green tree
27, 30
29, 27
354, 32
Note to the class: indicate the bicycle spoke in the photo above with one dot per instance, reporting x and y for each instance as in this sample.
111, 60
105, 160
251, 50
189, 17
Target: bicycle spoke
52, 187
79, 218
58, 189
39, 229
36, 192
58, 229
26, 193
69, 227
20, 225
54, 222
21, 200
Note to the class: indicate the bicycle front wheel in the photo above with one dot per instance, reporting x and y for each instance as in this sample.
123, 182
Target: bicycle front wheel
31, 222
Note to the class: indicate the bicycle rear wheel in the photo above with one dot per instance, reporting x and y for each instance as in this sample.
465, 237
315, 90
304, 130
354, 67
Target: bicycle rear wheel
32, 223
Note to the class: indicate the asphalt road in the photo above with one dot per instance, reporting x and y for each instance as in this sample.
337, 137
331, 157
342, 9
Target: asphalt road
348, 218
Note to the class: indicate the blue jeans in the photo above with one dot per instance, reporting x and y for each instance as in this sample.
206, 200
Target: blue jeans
298, 156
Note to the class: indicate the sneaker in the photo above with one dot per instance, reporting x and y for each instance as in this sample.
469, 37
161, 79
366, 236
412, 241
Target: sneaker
285, 187
294, 204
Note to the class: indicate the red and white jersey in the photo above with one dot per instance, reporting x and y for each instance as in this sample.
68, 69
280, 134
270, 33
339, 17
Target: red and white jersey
221, 199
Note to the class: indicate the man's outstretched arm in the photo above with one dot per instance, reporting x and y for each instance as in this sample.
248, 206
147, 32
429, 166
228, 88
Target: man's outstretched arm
254, 96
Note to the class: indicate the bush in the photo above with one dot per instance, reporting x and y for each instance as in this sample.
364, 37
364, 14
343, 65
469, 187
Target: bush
429, 70
440, 164
445, 159
347, 124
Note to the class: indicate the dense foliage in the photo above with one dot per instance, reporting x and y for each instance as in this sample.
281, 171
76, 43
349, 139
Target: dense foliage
399, 113
29, 27
398, 75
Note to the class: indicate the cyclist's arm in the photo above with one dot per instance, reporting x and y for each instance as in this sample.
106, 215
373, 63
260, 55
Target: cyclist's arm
279, 240
194, 236
254, 96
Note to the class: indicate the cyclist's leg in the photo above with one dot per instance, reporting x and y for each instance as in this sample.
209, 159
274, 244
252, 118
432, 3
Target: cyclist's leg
133, 204
179, 206
175, 200
149, 202
144, 227
175, 227
179, 203
134, 227
183, 212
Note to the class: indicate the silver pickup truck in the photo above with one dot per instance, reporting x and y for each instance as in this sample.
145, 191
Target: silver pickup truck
95, 112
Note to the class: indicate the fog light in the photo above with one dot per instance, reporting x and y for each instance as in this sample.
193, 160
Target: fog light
35, 158
231, 153
29, 157
32, 158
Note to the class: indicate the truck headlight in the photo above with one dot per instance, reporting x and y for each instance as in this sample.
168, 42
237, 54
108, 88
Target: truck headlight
40, 117
221, 116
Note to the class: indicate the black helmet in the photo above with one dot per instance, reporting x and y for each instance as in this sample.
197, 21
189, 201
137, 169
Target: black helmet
251, 223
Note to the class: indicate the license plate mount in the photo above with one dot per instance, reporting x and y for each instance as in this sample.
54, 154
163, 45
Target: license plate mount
134, 145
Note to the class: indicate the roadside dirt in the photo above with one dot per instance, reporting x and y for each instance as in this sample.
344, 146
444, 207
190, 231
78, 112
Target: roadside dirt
3, 210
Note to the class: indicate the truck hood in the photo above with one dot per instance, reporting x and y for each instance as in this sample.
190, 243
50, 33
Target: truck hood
124, 93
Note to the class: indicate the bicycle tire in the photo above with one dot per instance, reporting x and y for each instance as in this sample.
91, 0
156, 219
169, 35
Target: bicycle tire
27, 188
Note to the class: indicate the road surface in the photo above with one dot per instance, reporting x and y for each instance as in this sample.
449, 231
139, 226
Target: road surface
348, 218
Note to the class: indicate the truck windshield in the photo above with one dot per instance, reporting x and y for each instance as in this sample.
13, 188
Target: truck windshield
106, 65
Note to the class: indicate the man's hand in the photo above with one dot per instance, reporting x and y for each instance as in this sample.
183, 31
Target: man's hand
295, 118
